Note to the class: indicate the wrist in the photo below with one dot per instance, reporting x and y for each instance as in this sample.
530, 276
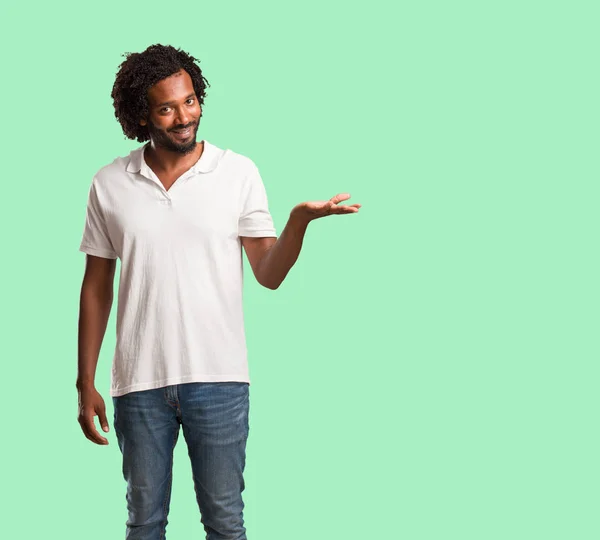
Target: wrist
84, 384
298, 219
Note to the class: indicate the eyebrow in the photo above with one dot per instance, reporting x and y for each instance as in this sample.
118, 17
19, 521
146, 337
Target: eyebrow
193, 94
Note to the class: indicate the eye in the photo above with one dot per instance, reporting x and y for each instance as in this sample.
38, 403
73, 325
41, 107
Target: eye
190, 101
164, 109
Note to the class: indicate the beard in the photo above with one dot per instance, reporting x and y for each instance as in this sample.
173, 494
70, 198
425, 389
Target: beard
163, 139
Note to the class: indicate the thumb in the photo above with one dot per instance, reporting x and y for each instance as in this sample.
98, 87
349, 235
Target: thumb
103, 420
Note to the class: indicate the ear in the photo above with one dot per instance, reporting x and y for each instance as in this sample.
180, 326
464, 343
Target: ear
143, 122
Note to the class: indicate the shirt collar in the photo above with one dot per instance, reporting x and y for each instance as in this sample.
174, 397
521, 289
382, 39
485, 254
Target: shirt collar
208, 160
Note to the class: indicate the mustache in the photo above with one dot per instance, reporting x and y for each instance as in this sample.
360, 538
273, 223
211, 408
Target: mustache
179, 128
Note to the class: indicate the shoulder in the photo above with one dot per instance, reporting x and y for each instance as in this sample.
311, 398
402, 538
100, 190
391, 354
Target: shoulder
113, 172
238, 162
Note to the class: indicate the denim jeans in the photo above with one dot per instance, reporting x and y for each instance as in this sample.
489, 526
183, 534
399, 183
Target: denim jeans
214, 417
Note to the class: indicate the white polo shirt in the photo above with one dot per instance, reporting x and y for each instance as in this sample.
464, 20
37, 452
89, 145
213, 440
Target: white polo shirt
179, 314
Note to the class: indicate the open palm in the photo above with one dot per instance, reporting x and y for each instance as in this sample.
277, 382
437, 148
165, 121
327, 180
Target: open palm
317, 209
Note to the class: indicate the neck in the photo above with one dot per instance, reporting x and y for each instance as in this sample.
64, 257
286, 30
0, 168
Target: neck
166, 160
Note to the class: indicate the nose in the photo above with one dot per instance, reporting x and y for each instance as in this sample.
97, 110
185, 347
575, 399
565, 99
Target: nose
183, 117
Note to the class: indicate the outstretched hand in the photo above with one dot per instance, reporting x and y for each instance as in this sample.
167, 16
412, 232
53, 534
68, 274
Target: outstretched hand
316, 209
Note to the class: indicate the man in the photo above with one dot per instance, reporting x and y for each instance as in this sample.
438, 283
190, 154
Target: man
177, 213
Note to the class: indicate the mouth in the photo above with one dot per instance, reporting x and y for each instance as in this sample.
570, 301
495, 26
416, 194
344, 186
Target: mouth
183, 133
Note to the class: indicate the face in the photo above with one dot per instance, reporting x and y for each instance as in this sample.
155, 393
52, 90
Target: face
174, 113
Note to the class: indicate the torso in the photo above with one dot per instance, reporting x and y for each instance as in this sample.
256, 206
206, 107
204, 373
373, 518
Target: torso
180, 313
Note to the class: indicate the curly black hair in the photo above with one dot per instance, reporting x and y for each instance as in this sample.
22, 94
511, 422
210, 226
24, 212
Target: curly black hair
138, 73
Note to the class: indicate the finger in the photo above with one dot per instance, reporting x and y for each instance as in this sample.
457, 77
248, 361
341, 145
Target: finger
85, 429
89, 436
328, 208
340, 197
91, 433
344, 210
103, 420
89, 429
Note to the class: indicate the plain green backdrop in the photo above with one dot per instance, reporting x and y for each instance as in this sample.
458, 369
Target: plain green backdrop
429, 368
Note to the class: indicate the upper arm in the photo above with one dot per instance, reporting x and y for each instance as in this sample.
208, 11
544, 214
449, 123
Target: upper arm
255, 249
99, 271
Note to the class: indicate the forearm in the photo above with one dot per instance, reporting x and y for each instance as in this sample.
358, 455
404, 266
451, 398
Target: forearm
94, 311
281, 256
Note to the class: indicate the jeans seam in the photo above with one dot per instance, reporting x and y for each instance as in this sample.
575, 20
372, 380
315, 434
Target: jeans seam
168, 492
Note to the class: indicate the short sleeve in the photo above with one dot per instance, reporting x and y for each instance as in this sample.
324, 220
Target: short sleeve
96, 240
255, 219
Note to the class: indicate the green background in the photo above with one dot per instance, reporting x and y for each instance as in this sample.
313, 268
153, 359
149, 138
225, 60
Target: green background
429, 368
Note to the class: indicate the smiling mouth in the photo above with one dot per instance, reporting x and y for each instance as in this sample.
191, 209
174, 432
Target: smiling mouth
183, 132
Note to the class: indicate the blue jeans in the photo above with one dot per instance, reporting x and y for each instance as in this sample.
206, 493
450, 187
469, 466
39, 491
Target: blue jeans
214, 417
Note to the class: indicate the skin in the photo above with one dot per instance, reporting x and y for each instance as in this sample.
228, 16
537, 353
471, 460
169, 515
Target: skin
173, 106
94, 308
